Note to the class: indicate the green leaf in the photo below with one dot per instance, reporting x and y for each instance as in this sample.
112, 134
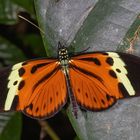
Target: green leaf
40, 7
12, 130
131, 34
4, 118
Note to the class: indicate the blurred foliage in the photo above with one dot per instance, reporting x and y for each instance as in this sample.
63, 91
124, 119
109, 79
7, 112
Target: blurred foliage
8, 13
9, 53
10, 8
13, 128
26, 4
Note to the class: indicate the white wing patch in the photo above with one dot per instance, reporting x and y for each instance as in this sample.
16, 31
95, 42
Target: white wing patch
119, 64
13, 89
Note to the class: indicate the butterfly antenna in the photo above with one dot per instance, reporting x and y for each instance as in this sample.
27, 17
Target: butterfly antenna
31, 23
83, 50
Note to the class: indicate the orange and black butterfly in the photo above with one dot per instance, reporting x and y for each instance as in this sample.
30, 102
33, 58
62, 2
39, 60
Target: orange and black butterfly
93, 81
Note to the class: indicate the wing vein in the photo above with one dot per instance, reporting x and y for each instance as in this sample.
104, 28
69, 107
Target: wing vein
87, 72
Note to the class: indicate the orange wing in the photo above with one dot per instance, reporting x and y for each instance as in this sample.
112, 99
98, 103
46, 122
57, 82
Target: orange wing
34, 88
99, 79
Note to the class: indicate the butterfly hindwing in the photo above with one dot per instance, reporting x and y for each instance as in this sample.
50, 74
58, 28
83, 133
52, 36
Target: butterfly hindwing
88, 92
98, 79
49, 97
33, 87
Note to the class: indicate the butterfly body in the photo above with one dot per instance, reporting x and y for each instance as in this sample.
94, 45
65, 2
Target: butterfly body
63, 59
93, 81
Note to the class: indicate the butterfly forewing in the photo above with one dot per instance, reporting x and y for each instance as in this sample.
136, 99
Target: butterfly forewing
99, 79
132, 65
33, 87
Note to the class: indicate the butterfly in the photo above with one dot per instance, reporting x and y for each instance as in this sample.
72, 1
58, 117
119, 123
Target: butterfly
93, 81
